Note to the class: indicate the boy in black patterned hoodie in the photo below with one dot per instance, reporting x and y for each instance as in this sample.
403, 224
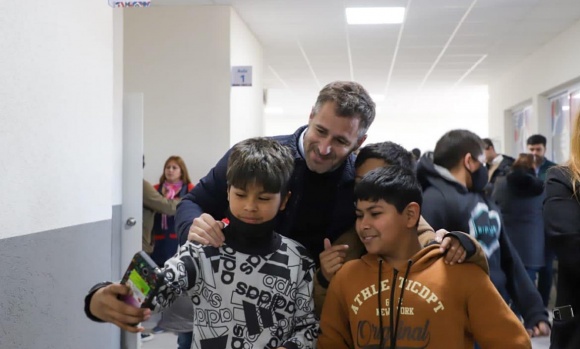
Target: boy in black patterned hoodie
256, 289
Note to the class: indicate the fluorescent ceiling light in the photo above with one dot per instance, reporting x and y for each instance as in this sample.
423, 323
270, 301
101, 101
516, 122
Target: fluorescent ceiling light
565, 107
377, 98
375, 15
273, 110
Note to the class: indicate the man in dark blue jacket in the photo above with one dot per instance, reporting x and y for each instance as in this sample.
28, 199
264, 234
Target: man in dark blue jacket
453, 179
321, 205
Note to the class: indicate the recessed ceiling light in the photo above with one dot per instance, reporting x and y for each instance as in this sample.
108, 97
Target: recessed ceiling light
375, 15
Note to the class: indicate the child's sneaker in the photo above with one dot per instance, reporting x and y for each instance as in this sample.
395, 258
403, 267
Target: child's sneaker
146, 337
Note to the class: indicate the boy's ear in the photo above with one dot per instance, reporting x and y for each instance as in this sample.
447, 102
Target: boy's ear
228, 193
412, 213
285, 200
466, 159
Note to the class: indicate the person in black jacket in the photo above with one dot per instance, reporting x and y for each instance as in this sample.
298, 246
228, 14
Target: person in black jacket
322, 184
453, 180
562, 219
520, 196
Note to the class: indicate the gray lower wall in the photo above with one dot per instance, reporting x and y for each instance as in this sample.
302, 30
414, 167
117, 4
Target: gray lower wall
44, 278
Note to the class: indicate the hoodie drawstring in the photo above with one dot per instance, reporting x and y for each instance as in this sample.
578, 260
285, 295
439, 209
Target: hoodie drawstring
393, 329
394, 342
380, 308
393, 286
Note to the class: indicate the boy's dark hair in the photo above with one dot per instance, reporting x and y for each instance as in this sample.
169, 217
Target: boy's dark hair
389, 152
262, 161
488, 143
536, 139
454, 145
394, 184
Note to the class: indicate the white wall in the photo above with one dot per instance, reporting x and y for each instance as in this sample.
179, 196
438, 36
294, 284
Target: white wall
178, 56
246, 103
117, 143
414, 123
551, 68
56, 107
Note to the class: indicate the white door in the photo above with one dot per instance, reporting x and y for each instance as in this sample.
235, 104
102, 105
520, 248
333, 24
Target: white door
132, 207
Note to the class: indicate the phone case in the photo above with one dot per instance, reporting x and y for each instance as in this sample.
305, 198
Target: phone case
144, 278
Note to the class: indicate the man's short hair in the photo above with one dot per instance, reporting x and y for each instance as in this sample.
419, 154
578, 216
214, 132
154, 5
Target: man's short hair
351, 99
536, 139
454, 145
488, 143
391, 153
395, 185
261, 161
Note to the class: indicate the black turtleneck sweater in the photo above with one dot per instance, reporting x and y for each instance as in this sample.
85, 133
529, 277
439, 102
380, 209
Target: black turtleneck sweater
314, 210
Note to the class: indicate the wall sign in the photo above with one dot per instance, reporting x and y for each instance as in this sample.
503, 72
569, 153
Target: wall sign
241, 76
118, 3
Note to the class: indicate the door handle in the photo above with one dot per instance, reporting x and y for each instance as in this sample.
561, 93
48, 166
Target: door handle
131, 221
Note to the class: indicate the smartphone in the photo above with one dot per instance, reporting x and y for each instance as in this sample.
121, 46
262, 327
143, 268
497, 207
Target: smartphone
564, 313
144, 278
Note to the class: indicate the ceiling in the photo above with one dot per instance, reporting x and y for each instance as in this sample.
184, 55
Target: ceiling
443, 45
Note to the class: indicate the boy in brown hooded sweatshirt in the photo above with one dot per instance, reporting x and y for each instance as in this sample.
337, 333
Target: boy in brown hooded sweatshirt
416, 300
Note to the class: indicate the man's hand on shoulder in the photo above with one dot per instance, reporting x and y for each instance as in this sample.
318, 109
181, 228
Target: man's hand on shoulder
206, 231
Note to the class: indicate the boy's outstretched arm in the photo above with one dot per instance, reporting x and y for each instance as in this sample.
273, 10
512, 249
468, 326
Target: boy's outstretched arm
492, 322
102, 304
305, 322
182, 273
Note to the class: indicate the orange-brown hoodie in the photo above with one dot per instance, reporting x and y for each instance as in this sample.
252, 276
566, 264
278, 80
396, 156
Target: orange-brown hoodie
426, 305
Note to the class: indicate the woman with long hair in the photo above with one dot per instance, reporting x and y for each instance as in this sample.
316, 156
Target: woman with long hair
174, 183
562, 219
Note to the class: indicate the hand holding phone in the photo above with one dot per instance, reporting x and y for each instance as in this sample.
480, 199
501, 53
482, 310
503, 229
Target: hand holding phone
144, 278
107, 305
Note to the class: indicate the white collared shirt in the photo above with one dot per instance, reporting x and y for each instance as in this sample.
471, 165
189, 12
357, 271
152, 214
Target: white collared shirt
301, 143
